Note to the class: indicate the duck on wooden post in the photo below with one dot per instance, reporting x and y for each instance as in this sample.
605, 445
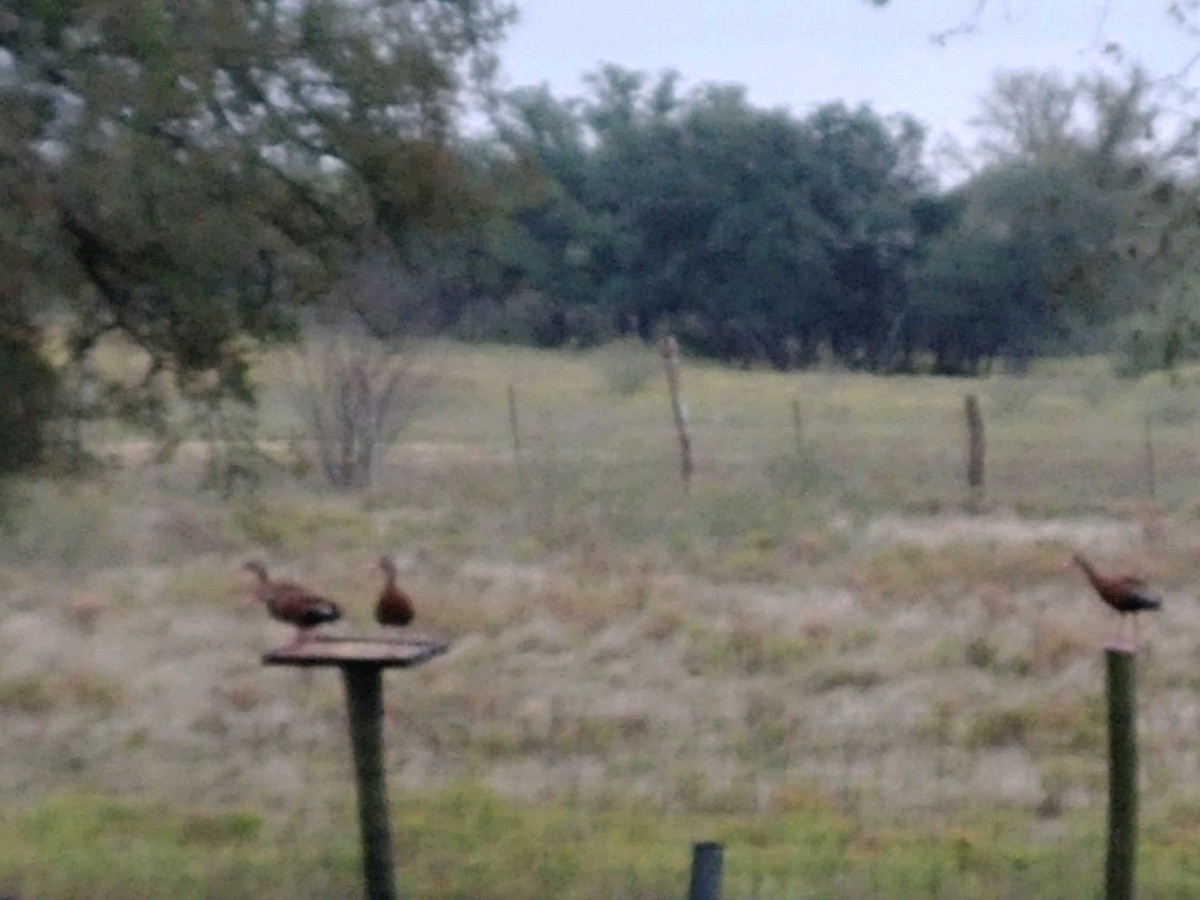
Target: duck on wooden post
293, 603
395, 606
1127, 594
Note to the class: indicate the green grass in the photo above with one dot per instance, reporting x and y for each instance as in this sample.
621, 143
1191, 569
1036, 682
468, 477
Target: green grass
468, 842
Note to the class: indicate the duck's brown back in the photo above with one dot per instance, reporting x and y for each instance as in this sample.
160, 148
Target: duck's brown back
296, 604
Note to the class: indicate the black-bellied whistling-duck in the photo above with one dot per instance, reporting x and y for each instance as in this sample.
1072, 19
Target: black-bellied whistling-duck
1127, 594
395, 607
293, 603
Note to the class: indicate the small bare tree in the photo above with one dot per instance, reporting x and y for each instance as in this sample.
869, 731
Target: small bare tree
356, 385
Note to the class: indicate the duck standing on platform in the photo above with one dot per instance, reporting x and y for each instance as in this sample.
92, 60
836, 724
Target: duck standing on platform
1127, 594
394, 607
293, 603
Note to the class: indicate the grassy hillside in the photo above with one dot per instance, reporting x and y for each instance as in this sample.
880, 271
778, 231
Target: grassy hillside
817, 657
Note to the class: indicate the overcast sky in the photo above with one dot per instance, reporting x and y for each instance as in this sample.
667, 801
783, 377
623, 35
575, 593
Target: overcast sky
801, 53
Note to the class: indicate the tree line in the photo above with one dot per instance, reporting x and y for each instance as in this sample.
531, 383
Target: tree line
194, 177
761, 236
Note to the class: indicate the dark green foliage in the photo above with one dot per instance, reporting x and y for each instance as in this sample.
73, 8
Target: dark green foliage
186, 174
1047, 239
752, 234
27, 401
755, 235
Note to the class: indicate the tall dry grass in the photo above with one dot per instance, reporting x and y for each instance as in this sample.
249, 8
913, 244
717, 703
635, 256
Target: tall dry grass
819, 622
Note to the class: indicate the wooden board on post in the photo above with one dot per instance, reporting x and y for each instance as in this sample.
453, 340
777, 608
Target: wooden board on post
362, 661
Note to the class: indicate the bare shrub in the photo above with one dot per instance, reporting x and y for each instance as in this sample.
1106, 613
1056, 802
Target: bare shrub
355, 381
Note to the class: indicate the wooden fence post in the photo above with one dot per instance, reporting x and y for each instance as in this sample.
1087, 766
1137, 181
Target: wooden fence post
706, 871
797, 429
670, 355
1120, 862
514, 427
1151, 479
975, 451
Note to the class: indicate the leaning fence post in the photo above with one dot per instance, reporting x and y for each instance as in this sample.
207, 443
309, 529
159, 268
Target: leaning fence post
1122, 774
670, 355
797, 430
514, 429
706, 871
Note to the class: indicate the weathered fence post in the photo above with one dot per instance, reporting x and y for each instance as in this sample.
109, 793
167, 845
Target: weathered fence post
1151, 475
670, 355
362, 661
1122, 774
975, 451
706, 871
797, 430
514, 427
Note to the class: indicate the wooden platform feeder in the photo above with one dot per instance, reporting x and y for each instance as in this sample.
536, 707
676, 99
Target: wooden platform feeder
361, 661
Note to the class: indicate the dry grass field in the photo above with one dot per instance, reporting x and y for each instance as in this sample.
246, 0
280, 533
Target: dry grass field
818, 657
